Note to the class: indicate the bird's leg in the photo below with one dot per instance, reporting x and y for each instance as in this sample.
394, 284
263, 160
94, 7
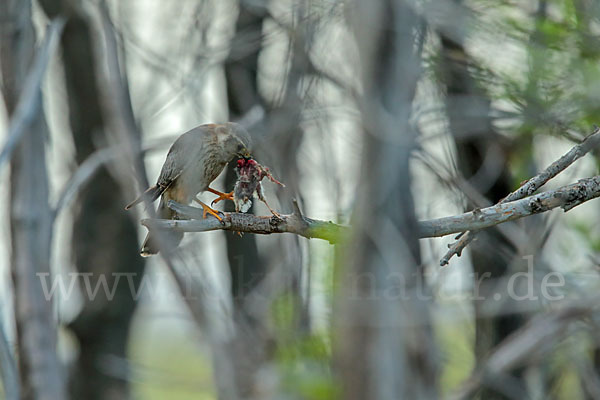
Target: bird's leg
222, 196
207, 210
262, 198
275, 213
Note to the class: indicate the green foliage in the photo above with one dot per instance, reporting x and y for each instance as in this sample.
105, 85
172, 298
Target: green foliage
455, 340
550, 82
303, 359
305, 368
564, 362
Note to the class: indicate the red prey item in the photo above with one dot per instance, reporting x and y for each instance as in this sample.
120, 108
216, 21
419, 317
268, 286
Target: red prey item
250, 173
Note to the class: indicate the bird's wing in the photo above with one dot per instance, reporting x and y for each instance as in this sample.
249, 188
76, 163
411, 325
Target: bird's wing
151, 194
183, 153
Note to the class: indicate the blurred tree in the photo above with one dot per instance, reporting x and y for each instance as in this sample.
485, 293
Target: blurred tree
241, 73
104, 236
482, 159
246, 268
386, 348
30, 213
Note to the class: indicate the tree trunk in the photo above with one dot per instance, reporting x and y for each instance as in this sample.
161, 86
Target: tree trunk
30, 216
104, 236
469, 113
246, 268
385, 348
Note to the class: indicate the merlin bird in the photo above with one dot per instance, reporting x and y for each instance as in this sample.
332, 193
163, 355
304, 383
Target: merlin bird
195, 160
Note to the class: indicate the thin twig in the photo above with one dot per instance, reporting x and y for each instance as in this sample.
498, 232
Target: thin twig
31, 99
530, 186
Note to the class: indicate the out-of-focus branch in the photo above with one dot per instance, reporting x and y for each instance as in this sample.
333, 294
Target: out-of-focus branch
30, 99
98, 160
372, 333
8, 369
83, 175
122, 125
530, 186
535, 337
565, 197
41, 375
101, 327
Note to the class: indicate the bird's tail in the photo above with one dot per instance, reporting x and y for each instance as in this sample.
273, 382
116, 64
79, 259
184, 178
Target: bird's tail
169, 238
151, 194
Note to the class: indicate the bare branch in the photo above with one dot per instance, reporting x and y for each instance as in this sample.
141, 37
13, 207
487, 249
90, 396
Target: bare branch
566, 197
292, 223
84, 174
530, 186
30, 99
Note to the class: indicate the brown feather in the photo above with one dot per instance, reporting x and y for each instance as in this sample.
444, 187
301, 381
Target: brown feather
194, 160
151, 194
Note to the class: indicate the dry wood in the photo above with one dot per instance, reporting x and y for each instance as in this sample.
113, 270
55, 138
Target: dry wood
530, 186
566, 197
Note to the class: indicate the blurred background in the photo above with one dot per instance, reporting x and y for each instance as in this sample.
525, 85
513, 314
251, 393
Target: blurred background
375, 115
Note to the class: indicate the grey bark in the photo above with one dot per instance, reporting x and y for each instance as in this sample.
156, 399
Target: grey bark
385, 346
277, 148
530, 186
247, 268
100, 248
8, 369
292, 223
565, 197
30, 214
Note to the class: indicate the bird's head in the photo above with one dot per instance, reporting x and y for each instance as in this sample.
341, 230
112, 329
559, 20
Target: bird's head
235, 140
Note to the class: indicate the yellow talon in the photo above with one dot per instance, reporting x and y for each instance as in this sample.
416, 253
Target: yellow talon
222, 196
207, 210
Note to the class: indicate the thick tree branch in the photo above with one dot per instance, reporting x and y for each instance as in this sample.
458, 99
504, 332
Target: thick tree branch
566, 197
